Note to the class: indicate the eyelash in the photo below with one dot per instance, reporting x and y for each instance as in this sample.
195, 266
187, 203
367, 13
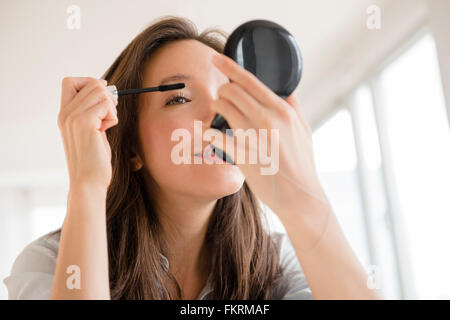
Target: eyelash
175, 97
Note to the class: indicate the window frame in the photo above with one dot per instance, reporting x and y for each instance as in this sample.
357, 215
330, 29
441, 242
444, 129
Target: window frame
405, 282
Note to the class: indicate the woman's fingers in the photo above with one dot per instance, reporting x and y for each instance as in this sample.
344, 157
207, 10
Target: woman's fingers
95, 89
71, 86
87, 90
102, 115
248, 81
95, 96
248, 105
111, 118
293, 101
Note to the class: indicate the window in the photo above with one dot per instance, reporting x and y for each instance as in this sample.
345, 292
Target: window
27, 213
416, 139
384, 162
335, 158
46, 219
373, 192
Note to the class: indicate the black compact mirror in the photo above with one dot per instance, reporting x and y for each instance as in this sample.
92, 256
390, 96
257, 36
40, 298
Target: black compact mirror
270, 52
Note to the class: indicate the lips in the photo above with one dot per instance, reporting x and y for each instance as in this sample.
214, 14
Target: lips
209, 156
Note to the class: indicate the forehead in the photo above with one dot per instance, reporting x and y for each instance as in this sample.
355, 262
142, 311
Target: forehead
190, 57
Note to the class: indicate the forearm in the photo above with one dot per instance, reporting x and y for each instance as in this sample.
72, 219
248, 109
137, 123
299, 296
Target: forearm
331, 267
83, 243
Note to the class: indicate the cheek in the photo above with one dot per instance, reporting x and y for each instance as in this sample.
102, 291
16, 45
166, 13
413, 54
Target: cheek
157, 145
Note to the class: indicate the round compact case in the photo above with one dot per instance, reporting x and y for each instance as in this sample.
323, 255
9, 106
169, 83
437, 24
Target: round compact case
268, 51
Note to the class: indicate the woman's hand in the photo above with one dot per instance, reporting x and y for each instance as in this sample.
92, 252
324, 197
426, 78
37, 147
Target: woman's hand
331, 267
245, 102
87, 110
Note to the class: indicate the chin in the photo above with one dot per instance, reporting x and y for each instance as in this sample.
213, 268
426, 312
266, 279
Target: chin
218, 181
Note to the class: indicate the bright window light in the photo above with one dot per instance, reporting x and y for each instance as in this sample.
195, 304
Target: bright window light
335, 157
46, 219
413, 111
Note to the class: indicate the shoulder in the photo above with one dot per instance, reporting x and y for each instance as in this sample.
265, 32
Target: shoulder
39, 255
32, 272
292, 285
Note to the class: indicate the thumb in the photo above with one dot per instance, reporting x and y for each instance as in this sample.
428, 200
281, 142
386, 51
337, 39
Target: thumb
293, 101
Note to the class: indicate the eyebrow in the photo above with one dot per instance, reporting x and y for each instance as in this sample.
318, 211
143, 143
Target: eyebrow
175, 77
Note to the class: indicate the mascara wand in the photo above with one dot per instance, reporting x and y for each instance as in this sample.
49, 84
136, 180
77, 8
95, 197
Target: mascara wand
118, 93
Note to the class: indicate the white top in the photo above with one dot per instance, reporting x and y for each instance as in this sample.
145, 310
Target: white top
32, 272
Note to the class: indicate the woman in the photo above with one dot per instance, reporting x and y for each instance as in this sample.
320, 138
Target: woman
139, 226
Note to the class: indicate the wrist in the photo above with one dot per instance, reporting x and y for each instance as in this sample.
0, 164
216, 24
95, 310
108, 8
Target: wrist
304, 204
306, 221
86, 198
83, 187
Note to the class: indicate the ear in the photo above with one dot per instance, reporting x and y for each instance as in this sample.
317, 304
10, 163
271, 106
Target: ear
136, 162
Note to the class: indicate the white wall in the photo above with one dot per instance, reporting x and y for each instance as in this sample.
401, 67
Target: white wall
38, 50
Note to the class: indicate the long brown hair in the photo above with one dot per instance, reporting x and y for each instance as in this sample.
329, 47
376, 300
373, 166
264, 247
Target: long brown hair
245, 259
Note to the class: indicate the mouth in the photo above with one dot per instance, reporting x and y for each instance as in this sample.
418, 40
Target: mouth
209, 155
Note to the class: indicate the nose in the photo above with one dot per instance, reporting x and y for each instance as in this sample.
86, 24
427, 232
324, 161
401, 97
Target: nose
209, 118
207, 113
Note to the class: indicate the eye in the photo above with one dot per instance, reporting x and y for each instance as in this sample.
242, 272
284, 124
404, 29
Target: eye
176, 99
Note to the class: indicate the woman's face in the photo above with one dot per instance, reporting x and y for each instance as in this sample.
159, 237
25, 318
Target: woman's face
161, 113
